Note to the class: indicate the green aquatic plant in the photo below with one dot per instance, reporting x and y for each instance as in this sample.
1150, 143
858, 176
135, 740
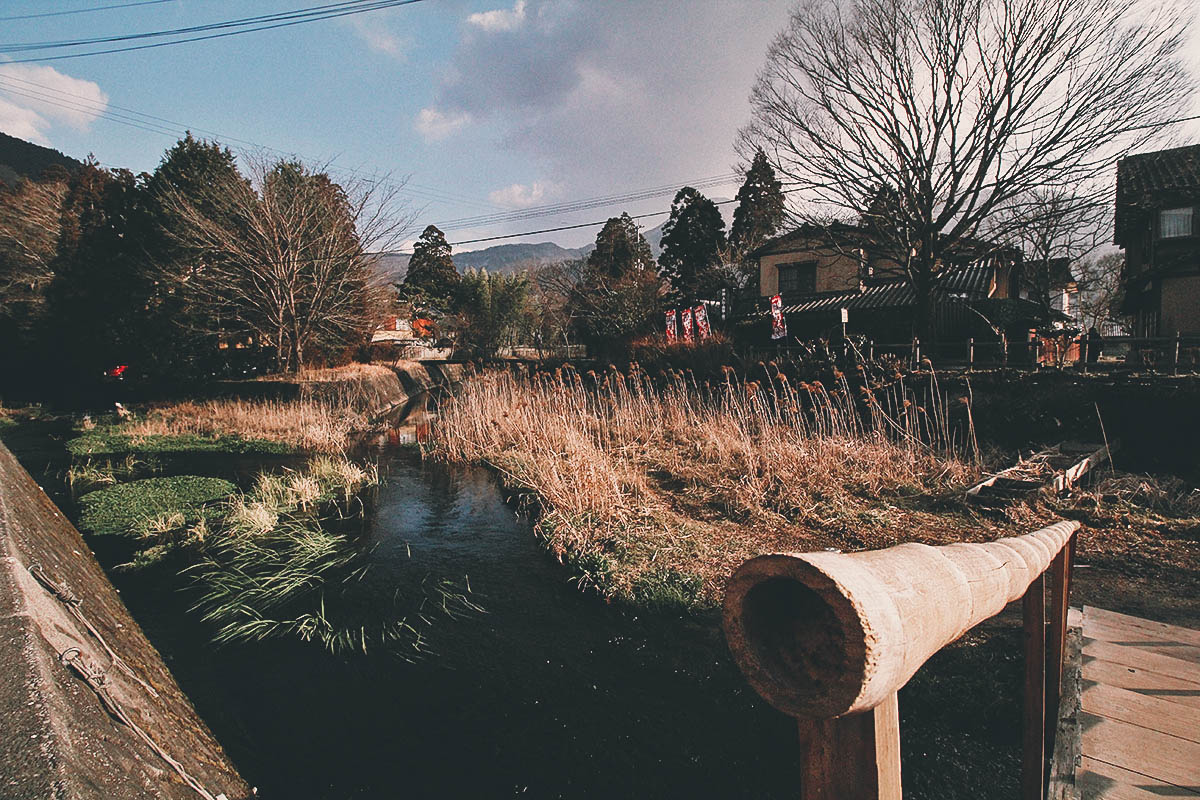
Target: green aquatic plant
125, 508
113, 440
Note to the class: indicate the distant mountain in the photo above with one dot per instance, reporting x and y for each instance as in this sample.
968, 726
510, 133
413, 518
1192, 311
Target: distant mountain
517, 257
507, 258
22, 159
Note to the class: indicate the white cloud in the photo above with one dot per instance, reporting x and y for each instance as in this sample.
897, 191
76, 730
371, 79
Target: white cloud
380, 39
519, 195
35, 98
21, 122
501, 19
434, 124
607, 96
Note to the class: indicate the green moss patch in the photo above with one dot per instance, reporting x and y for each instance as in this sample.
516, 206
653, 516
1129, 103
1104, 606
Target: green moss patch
124, 509
113, 442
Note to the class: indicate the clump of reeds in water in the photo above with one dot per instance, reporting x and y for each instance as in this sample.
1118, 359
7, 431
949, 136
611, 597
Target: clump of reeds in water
281, 566
606, 454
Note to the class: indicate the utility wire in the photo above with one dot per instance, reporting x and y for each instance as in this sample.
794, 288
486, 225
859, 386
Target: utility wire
83, 10
265, 27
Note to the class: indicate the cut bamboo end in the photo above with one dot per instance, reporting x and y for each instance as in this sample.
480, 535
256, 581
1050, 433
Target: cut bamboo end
822, 635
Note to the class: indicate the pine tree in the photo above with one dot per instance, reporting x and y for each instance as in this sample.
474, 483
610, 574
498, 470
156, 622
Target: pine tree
431, 270
760, 208
617, 298
620, 249
692, 241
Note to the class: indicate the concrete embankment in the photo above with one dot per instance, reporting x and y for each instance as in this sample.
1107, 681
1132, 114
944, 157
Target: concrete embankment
89, 708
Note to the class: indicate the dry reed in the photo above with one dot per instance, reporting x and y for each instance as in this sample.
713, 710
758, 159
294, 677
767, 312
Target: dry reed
641, 486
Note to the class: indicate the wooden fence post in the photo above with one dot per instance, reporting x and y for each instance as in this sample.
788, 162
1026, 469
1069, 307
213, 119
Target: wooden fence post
1033, 751
1003, 349
855, 757
1060, 592
870, 350
1178, 342
970, 354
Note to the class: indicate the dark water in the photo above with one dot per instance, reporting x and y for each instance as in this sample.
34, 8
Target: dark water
549, 693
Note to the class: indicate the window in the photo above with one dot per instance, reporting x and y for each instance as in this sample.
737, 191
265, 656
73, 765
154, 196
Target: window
797, 279
1173, 222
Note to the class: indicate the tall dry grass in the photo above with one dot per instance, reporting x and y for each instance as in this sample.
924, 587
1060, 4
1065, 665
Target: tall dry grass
637, 478
320, 426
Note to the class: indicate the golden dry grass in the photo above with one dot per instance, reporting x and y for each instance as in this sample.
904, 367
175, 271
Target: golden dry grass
638, 485
310, 425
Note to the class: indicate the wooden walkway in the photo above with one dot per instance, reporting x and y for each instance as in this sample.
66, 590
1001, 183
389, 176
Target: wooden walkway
1139, 709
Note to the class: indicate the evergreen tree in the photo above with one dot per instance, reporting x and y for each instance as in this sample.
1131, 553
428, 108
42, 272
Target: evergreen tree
692, 241
620, 249
617, 297
760, 208
431, 271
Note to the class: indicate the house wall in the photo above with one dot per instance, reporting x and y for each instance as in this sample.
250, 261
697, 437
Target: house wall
1180, 305
836, 271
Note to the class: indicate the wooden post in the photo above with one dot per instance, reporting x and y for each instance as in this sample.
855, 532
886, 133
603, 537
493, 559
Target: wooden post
971, 354
1033, 751
1060, 589
916, 352
1178, 342
1003, 349
855, 757
870, 350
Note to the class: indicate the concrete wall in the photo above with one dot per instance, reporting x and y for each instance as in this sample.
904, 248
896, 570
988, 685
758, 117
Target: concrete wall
58, 740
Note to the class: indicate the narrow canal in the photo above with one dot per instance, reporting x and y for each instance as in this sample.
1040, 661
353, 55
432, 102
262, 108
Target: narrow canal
546, 692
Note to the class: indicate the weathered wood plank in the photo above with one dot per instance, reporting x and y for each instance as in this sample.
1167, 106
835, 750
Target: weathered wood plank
1067, 735
1143, 681
1100, 781
1130, 656
1158, 755
1135, 628
1142, 710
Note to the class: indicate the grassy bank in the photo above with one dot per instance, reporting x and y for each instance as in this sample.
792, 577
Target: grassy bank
653, 495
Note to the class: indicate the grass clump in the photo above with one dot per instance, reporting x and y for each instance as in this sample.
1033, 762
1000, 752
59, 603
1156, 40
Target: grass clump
654, 491
143, 507
125, 440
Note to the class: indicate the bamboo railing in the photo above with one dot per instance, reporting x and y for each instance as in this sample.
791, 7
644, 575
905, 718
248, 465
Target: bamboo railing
830, 639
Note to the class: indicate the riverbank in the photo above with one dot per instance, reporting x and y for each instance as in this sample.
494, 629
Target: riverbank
652, 496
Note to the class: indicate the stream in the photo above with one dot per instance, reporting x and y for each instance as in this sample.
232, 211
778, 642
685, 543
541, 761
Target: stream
547, 692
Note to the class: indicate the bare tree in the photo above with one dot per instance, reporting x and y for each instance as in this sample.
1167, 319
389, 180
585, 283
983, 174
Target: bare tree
1052, 225
283, 257
30, 226
1101, 292
954, 108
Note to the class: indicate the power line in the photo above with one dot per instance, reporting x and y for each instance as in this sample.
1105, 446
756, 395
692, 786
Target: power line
302, 18
583, 205
83, 10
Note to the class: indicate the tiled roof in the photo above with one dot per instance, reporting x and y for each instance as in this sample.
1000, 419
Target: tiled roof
1152, 180
967, 283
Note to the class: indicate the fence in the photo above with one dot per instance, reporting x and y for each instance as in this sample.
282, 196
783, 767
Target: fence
830, 638
1173, 354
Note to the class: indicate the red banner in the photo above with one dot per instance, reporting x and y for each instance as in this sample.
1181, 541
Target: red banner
671, 334
778, 323
702, 328
686, 316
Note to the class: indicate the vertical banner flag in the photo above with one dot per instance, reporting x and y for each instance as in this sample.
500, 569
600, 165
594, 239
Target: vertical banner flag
671, 334
702, 328
778, 323
686, 316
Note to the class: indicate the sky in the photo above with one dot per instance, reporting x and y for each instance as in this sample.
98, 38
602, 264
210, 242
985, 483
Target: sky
476, 106
481, 106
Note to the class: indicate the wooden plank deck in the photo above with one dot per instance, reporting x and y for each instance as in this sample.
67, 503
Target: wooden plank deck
1139, 709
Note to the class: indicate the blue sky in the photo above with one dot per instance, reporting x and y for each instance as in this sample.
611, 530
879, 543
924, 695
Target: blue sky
484, 105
